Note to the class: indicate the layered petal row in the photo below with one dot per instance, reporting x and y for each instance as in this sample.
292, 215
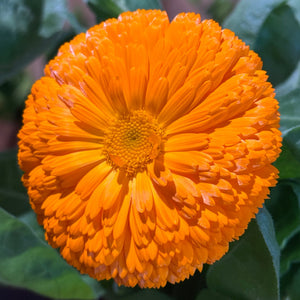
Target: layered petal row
148, 146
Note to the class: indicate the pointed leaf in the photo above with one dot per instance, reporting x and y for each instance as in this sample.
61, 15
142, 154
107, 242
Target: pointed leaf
54, 16
27, 262
290, 283
207, 294
295, 5
250, 269
112, 8
292, 140
248, 17
278, 46
27, 29
146, 295
288, 95
13, 196
286, 224
290, 254
289, 161
287, 164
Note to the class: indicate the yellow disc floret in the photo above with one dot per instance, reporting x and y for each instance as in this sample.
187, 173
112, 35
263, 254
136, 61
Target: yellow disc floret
132, 141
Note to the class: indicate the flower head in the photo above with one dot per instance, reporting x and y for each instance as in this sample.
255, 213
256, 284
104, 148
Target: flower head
147, 146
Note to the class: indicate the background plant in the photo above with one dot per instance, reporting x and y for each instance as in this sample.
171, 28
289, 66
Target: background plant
263, 264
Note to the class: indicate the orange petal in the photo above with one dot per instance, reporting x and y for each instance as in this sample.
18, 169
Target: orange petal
75, 244
94, 92
157, 95
61, 148
142, 196
187, 162
84, 109
132, 261
158, 172
184, 188
122, 219
64, 164
166, 213
234, 96
92, 179
109, 190
186, 142
178, 104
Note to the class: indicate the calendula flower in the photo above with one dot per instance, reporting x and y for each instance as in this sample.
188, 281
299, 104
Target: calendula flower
147, 146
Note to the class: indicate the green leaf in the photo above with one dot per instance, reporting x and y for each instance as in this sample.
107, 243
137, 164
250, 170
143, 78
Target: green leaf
248, 17
286, 224
289, 85
146, 295
289, 161
13, 196
288, 95
266, 227
55, 14
250, 269
292, 140
135, 4
290, 283
207, 294
112, 8
53, 17
290, 254
220, 9
104, 9
27, 262
256, 23
27, 29
188, 289
287, 164
30, 219
295, 5
278, 46
13, 93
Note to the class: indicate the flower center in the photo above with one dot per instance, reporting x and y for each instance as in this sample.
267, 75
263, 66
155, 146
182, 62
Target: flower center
132, 141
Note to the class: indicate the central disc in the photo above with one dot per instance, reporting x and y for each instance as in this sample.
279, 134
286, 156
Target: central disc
133, 141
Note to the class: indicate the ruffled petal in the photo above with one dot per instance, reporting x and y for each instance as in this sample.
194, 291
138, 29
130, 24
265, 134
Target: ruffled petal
148, 145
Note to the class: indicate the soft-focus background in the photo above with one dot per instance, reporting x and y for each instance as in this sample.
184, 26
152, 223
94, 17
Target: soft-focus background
263, 264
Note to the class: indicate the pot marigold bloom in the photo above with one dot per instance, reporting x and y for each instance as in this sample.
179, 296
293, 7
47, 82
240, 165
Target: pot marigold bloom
147, 146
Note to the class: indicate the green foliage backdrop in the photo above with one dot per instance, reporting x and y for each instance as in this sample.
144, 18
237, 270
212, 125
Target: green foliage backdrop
263, 264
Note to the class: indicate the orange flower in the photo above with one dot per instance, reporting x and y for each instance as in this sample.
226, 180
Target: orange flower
147, 146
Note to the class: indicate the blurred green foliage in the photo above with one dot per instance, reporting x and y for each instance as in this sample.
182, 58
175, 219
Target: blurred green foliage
112, 8
263, 264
